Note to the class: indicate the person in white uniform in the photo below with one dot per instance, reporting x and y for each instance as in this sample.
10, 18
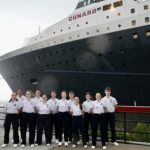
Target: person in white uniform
20, 98
43, 121
53, 101
71, 102
28, 109
109, 105
37, 99
87, 109
77, 122
98, 121
12, 111
63, 109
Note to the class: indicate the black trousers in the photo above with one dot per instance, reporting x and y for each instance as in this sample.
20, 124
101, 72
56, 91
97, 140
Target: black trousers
43, 123
87, 122
21, 124
28, 121
54, 123
11, 119
110, 120
78, 124
99, 121
70, 127
63, 125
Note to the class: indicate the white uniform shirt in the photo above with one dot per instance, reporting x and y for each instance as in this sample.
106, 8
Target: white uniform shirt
53, 105
63, 105
109, 103
43, 108
37, 100
12, 107
20, 99
76, 110
28, 106
71, 102
98, 107
87, 106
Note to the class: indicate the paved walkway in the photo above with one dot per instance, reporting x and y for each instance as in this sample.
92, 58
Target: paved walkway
55, 147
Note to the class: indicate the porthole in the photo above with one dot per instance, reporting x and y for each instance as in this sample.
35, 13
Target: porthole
120, 37
77, 25
108, 28
53, 32
78, 35
145, 7
148, 33
118, 14
107, 17
70, 37
87, 33
53, 64
133, 22
47, 65
69, 28
97, 30
135, 35
66, 61
61, 30
74, 60
100, 55
146, 19
122, 52
86, 22
119, 25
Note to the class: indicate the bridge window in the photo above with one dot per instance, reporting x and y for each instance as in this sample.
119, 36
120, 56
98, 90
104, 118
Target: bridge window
118, 3
106, 7
145, 7
132, 10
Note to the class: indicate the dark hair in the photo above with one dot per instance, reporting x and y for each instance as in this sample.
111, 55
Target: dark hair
37, 90
45, 95
63, 92
108, 89
88, 93
71, 92
80, 105
98, 93
54, 91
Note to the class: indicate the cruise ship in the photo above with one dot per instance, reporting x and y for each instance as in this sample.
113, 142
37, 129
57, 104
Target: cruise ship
102, 43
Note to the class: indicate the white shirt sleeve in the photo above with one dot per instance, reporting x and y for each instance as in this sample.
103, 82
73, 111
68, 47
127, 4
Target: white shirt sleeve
114, 102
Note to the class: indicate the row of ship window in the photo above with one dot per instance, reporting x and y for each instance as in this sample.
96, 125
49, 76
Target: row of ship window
133, 22
135, 35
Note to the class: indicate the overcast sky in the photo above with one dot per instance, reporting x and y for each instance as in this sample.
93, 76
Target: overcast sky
20, 19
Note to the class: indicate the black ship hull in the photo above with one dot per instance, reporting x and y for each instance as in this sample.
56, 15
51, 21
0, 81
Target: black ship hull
120, 60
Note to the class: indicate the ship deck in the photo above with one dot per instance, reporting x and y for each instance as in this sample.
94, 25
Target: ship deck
54, 146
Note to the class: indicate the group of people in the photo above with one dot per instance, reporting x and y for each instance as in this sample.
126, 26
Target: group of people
66, 116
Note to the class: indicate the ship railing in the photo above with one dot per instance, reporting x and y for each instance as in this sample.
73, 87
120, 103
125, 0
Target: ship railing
132, 124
